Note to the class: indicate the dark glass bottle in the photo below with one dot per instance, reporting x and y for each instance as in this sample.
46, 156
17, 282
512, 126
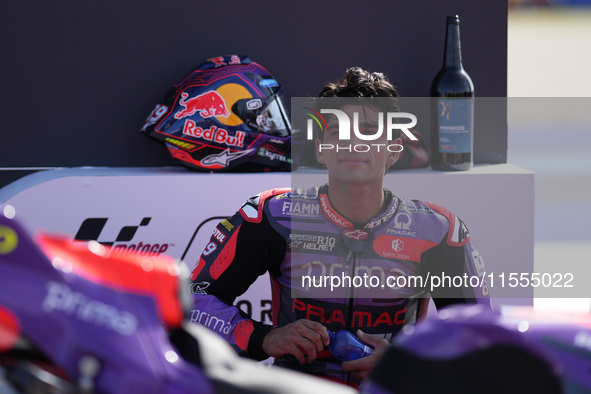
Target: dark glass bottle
452, 107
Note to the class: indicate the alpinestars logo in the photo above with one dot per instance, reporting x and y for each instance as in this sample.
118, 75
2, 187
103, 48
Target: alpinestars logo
355, 234
91, 229
223, 159
198, 287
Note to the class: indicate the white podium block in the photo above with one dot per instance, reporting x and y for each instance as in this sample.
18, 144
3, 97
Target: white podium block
174, 210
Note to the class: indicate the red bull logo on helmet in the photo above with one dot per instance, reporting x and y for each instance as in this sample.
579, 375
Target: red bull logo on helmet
208, 104
214, 134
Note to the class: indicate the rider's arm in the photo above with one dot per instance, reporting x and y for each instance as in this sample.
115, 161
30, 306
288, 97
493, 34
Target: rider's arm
454, 257
238, 253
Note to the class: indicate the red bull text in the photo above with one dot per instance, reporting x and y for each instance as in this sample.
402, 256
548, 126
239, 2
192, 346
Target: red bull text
221, 136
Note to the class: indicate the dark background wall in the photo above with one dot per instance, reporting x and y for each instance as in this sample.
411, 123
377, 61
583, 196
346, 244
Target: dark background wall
78, 78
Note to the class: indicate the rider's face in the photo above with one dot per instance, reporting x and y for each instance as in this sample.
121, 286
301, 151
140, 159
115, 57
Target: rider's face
356, 161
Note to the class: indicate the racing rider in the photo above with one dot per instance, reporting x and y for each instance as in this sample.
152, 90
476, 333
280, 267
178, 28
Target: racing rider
347, 228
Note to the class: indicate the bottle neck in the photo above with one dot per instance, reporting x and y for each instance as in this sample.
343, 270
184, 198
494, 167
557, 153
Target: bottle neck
452, 57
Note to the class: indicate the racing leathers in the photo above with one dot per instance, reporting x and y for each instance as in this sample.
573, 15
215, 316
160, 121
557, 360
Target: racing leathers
375, 276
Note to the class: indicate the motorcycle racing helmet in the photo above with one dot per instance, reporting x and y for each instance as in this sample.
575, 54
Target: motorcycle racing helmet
226, 115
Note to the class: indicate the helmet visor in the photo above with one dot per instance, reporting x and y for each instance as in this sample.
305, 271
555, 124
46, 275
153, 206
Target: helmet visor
266, 115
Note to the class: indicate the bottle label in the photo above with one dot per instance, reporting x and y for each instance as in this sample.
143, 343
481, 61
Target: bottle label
455, 122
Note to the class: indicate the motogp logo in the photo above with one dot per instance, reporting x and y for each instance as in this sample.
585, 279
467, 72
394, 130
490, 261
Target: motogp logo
91, 229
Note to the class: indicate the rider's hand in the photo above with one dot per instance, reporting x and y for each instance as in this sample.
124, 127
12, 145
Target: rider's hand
361, 368
302, 339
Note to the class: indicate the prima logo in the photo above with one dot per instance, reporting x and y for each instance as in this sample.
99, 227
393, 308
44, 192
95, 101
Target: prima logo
386, 122
62, 298
212, 322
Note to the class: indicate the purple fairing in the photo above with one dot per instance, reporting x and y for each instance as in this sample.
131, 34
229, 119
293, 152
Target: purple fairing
68, 317
465, 329
563, 341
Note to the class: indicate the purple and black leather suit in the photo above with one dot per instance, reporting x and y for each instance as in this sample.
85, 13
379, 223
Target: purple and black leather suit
307, 246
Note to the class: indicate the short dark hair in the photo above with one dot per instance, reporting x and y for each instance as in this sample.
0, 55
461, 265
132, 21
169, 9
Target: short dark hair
361, 84
357, 82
